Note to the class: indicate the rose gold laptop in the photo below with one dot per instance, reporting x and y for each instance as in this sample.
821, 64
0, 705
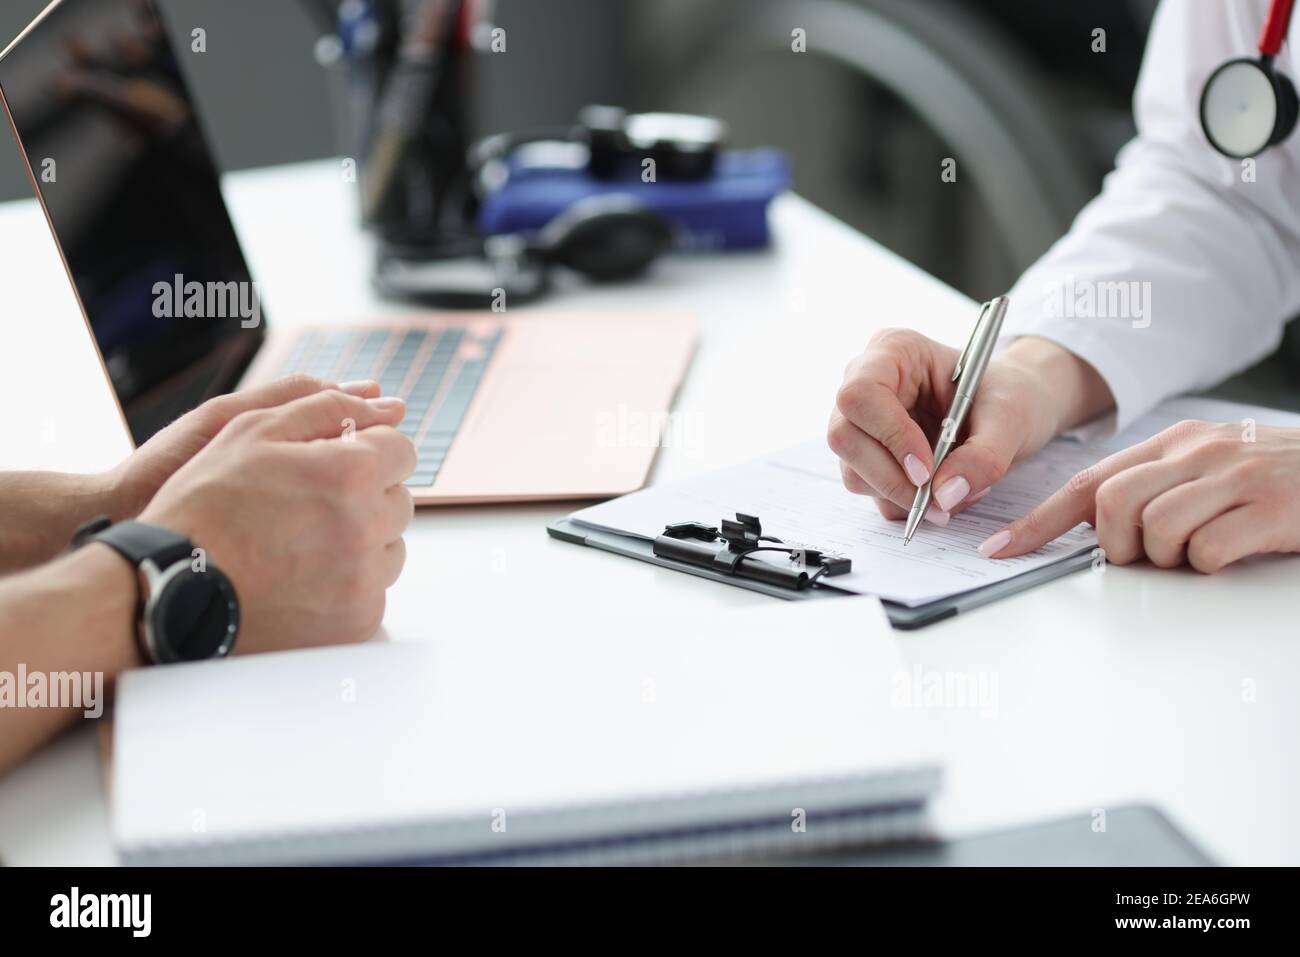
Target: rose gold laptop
501, 408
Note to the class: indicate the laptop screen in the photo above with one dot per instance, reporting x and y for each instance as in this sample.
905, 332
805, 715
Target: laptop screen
99, 102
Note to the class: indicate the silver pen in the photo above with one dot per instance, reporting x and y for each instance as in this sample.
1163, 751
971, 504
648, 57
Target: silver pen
972, 362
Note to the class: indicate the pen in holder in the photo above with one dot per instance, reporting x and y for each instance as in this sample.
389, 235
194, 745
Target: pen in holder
405, 69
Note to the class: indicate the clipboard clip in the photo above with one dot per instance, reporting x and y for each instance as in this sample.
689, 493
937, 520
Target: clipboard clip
728, 550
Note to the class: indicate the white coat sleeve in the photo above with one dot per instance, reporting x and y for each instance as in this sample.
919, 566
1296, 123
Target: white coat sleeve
1187, 266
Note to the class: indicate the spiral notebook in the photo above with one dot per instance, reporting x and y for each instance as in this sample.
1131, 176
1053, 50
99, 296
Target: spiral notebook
767, 730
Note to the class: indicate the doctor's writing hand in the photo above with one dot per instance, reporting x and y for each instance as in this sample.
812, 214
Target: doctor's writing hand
302, 506
892, 405
1199, 493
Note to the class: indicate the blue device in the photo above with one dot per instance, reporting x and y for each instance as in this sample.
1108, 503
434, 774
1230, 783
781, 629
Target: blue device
725, 210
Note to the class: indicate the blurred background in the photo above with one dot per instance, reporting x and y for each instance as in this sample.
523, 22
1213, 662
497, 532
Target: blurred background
885, 92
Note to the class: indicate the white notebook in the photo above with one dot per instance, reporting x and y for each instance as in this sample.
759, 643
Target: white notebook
769, 729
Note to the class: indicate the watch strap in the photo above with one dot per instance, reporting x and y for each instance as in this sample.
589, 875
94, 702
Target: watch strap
138, 542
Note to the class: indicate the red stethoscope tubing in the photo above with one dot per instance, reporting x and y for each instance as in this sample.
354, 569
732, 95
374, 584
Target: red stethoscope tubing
1276, 26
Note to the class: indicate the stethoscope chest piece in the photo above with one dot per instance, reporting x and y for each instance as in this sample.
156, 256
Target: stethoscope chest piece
1247, 106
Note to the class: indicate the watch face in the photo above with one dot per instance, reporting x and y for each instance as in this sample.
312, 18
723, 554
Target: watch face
196, 615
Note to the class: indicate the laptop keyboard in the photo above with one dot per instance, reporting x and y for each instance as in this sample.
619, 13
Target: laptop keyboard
437, 372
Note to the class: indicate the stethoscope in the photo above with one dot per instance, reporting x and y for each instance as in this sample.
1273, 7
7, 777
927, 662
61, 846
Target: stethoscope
1247, 106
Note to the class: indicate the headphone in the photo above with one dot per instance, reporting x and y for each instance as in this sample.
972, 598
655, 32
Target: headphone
1247, 106
606, 237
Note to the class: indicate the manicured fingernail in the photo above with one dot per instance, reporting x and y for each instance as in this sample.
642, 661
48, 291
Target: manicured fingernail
916, 472
994, 543
386, 403
360, 387
979, 495
936, 517
951, 493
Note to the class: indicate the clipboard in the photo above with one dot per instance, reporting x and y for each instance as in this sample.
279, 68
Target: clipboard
902, 617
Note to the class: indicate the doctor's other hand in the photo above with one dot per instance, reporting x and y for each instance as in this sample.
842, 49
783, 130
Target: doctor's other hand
302, 506
897, 393
1200, 493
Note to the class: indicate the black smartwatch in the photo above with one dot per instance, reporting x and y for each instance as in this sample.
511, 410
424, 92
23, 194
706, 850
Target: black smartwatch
187, 610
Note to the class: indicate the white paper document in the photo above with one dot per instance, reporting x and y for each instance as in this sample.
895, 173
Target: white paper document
798, 496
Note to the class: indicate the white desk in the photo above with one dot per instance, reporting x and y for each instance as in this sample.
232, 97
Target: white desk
1112, 688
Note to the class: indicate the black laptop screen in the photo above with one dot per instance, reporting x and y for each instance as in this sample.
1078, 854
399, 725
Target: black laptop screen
98, 100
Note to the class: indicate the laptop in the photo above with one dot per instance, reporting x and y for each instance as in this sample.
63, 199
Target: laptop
501, 407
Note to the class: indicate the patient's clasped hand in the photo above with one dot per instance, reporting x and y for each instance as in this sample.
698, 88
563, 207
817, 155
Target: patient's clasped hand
293, 490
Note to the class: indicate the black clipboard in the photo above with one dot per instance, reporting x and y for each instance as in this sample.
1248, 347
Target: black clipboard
902, 617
